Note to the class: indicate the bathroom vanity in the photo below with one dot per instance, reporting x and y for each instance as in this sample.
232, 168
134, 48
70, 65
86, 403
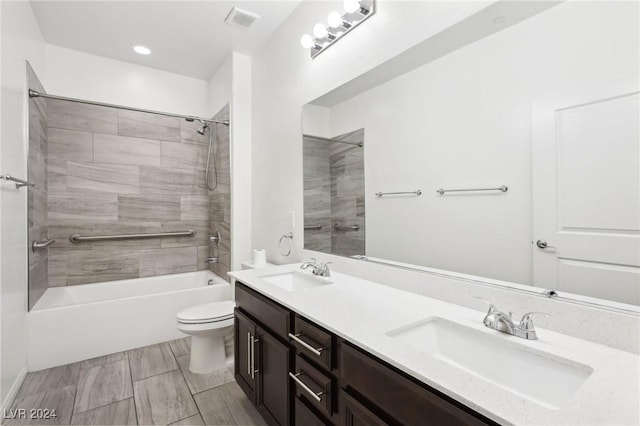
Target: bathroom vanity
346, 351
296, 372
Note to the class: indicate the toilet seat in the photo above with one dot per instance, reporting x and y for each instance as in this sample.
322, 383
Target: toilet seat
207, 313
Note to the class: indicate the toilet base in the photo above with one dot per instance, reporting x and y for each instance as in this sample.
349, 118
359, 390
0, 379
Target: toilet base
207, 354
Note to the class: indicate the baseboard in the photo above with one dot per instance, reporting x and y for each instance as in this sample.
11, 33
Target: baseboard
8, 401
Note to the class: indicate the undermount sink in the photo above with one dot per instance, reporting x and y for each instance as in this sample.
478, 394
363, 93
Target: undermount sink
295, 281
544, 379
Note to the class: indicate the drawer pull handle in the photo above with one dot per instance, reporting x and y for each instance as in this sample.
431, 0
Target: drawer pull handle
297, 338
303, 385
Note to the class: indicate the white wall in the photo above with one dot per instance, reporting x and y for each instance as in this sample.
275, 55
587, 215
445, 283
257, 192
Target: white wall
316, 121
81, 75
20, 41
219, 86
464, 121
285, 78
241, 169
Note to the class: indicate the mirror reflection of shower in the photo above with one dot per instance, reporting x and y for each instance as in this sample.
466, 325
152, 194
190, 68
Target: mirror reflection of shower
206, 125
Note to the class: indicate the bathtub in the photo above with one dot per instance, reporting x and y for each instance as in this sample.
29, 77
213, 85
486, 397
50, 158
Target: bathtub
74, 323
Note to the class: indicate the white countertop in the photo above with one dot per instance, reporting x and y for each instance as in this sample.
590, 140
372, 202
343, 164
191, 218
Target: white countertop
362, 312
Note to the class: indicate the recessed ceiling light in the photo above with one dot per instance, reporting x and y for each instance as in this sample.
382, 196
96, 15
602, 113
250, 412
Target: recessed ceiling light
142, 50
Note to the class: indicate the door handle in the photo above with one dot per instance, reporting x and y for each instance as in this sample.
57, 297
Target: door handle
249, 356
253, 356
543, 244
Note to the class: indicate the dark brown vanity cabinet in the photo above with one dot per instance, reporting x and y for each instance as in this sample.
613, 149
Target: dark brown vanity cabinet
262, 359
297, 373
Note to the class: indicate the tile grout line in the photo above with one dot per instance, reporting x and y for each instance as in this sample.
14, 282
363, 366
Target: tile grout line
135, 405
75, 396
112, 402
186, 383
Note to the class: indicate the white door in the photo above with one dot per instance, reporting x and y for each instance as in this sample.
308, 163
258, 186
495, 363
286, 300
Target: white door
586, 195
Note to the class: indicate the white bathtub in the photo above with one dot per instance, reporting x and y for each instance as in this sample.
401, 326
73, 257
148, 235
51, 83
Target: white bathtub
73, 323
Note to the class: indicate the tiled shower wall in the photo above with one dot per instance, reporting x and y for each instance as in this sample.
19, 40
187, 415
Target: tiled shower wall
114, 171
334, 194
220, 197
37, 194
347, 194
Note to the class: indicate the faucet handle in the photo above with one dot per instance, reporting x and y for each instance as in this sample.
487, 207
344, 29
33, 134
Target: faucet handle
526, 324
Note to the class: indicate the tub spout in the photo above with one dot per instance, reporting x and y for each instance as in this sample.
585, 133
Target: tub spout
211, 260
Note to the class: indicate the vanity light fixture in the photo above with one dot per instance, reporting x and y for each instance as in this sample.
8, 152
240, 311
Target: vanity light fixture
356, 12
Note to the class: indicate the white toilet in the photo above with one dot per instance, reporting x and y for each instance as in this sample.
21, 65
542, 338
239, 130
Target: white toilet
208, 325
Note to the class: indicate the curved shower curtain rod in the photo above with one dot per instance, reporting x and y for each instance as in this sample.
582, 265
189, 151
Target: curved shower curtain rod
36, 94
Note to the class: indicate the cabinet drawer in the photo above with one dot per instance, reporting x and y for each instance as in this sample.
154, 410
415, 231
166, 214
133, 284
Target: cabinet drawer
276, 318
306, 417
398, 396
314, 342
313, 386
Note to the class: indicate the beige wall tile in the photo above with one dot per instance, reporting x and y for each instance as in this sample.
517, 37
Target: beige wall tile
103, 177
168, 261
183, 156
81, 117
148, 126
153, 208
110, 149
70, 145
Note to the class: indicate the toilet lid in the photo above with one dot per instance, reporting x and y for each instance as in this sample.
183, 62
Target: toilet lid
212, 312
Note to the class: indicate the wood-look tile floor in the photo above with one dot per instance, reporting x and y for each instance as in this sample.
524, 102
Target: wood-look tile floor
145, 386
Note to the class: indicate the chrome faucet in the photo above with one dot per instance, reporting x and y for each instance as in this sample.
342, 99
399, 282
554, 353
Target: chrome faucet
501, 321
211, 260
318, 268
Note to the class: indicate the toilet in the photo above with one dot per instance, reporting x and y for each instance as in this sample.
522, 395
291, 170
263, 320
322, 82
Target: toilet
208, 325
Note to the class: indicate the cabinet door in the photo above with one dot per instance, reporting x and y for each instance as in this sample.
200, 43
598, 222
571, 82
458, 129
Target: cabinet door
244, 362
273, 392
355, 414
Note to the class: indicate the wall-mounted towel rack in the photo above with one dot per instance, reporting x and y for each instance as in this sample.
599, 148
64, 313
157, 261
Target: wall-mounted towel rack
417, 192
19, 182
312, 227
501, 188
77, 238
338, 227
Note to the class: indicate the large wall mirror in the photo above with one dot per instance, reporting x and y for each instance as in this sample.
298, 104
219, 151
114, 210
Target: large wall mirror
506, 147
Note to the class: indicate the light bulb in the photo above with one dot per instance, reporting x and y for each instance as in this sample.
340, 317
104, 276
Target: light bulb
307, 41
319, 30
142, 50
334, 19
351, 6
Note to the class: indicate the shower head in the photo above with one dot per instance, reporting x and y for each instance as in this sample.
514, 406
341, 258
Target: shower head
204, 127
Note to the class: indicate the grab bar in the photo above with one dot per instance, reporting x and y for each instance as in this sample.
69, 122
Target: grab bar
312, 227
346, 227
76, 238
40, 245
417, 192
501, 188
19, 182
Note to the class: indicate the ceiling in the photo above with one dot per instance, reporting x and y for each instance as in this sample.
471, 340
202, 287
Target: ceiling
185, 37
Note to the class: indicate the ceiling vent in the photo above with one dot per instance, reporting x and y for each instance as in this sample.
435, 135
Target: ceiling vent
241, 18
